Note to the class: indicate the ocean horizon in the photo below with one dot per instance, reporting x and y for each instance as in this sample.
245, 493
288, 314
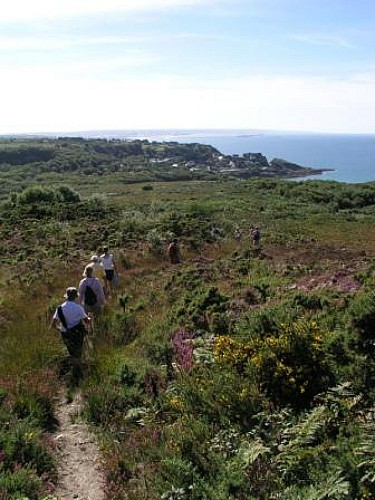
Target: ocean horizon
350, 158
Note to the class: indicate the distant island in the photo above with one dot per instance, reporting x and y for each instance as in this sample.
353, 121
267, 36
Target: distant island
137, 160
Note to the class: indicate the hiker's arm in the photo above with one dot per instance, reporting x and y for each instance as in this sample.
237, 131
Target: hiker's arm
81, 292
87, 320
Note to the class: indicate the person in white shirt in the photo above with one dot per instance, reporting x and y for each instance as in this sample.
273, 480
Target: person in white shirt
91, 292
108, 262
70, 319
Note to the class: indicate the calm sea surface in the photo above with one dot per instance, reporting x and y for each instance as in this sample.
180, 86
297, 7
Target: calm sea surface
352, 157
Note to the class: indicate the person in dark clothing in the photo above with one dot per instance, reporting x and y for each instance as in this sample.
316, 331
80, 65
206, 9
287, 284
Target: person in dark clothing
255, 236
174, 252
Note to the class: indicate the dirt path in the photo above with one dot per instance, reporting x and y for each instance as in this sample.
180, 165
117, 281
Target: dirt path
79, 467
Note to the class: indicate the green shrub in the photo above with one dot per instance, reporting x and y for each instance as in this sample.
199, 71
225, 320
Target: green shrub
22, 445
362, 320
107, 404
204, 309
35, 407
37, 194
155, 242
67, 194
290, 365
128, 375
122, 328
19, 484
310, 301
215, 395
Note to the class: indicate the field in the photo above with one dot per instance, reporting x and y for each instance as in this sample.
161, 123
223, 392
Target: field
241, 373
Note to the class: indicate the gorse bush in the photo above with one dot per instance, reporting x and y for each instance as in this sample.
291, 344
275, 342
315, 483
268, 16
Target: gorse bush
202, 310
362, 320
289, 366
310, 301
361, 314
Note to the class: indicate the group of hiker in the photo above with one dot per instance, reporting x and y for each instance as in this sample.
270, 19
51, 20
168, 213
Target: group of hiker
100, 278
174, 252
73, 316
254, 235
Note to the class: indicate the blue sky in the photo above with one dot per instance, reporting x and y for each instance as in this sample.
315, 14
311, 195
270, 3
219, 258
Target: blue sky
298, 65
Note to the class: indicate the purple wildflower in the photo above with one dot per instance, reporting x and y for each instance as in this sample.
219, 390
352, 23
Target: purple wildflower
182, 342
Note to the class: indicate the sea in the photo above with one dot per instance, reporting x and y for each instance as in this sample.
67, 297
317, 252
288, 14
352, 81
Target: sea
350, 158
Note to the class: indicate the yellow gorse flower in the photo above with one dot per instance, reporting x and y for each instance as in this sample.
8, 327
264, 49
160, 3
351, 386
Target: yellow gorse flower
232, 351
176, 403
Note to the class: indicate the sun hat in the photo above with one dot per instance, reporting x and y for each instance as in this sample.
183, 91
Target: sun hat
71, 293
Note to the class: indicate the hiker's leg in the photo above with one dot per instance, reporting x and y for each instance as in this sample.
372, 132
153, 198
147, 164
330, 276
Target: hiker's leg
109, 274
105, 288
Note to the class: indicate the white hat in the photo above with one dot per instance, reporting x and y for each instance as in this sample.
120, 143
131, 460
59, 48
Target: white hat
94, 258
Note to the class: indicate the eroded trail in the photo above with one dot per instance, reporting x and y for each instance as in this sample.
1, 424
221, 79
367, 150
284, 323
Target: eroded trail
79, 467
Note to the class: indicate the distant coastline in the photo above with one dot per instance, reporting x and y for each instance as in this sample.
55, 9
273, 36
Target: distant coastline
346, 158
152, 160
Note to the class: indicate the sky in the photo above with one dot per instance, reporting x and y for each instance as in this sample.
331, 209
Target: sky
291, 65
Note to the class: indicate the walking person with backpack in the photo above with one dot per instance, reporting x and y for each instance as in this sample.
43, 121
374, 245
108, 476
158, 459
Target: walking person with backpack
71, 320
98, 271
91, 292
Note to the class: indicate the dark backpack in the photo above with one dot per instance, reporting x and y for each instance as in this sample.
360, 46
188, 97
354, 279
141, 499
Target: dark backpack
90, 296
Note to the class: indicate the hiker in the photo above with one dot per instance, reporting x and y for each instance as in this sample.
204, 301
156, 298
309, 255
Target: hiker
70, 319
174, 252
98, 269
91, 292
108, 262
237, 234
255, 236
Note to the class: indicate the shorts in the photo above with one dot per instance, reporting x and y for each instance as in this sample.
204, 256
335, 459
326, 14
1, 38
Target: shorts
109, 274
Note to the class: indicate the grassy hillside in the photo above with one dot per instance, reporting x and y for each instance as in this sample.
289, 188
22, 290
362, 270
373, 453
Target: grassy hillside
241, 373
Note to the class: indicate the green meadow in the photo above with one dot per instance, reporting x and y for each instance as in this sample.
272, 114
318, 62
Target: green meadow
241, 373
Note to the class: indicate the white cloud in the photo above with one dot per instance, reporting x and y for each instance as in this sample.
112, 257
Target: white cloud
45, 103
47, 43
323, 39
22, 10
101, 68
